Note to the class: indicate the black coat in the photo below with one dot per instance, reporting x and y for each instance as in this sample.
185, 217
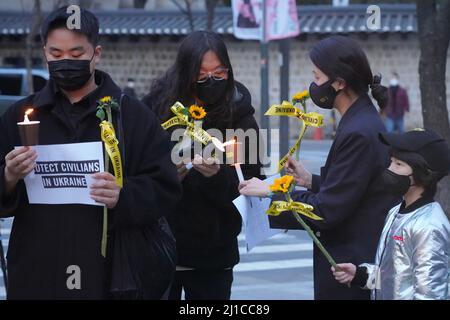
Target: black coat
206, 223
46, 239
349, 198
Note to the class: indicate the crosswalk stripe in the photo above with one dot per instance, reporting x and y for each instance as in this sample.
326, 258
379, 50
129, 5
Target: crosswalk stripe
273, 265
278, 248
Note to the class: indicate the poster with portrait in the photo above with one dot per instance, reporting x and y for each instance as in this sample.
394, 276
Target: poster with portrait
281, 20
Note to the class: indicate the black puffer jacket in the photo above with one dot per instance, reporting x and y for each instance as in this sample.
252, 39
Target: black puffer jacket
205, 222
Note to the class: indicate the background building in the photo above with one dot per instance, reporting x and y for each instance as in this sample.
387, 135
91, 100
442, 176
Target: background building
142, 43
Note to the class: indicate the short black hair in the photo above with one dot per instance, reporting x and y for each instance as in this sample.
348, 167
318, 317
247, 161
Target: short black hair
89, 25
422, 174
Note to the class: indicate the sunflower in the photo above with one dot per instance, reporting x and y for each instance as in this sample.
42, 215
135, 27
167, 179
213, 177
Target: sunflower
282, 184
300, 96
196, 112
106, 99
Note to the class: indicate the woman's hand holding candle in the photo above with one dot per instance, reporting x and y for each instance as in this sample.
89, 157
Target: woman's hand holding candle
19, 163
254, 188
207, 167
182, 169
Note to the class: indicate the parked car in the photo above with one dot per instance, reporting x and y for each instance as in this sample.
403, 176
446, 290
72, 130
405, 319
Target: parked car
14, 85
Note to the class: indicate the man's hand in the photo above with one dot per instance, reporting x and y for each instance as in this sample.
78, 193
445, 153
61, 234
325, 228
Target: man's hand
345, 274
19, 163
302, 177
105, 190
208, 167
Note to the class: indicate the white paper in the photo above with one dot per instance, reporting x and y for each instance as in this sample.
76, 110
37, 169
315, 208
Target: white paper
63, 173
256, 221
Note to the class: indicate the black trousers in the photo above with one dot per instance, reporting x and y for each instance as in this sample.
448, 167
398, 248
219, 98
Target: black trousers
202, 285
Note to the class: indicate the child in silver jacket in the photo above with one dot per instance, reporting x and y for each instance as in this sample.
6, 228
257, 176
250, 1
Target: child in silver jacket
413, 256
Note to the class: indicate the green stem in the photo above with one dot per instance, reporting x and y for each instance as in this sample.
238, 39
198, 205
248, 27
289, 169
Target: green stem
105, 209
313, 236
304, 106
302, 132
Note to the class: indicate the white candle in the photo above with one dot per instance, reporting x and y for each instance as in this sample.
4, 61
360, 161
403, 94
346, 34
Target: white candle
237, 166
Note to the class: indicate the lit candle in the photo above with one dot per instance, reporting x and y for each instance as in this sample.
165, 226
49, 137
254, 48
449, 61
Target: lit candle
236, 160
29, 130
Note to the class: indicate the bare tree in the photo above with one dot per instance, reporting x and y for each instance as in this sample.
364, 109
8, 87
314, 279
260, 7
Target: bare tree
36, 21
433, 18
187, 10
210, 9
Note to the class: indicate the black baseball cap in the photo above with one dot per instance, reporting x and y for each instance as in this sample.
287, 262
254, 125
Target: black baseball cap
425, 142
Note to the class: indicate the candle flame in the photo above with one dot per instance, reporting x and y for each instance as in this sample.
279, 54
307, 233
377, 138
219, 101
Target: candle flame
28, 112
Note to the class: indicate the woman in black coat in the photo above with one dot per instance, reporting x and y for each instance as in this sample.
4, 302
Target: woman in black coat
346, 194
206, 223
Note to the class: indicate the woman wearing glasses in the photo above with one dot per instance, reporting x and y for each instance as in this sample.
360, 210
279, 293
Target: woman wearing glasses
205, 223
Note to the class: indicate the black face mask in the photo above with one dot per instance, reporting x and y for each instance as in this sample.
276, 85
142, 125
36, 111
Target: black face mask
395, 183
70, 74
211, 91
324, 95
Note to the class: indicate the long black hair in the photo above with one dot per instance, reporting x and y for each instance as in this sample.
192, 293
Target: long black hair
342, 57
178, 83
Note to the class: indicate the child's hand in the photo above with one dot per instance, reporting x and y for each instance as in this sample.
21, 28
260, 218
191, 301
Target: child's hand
345, 274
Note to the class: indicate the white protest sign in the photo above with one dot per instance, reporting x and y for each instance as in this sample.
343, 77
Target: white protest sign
63, 173
256, 221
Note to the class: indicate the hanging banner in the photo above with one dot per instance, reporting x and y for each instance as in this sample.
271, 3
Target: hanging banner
281, 20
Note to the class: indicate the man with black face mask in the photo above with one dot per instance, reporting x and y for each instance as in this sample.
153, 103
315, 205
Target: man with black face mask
51, 238
413, 255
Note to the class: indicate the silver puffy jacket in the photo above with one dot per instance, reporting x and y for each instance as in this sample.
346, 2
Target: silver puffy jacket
413, 256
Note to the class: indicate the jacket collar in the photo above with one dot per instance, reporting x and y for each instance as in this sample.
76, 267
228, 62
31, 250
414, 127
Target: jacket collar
106, 87
362, 102
424, 200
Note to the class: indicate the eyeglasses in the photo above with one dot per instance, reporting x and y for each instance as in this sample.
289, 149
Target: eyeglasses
218, 74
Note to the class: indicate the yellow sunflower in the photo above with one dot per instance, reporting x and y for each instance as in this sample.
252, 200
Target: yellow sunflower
106, 99
282, 184
300, 96
196, 112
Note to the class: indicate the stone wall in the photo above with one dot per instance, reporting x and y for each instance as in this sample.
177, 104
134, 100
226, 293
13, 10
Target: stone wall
145, 60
